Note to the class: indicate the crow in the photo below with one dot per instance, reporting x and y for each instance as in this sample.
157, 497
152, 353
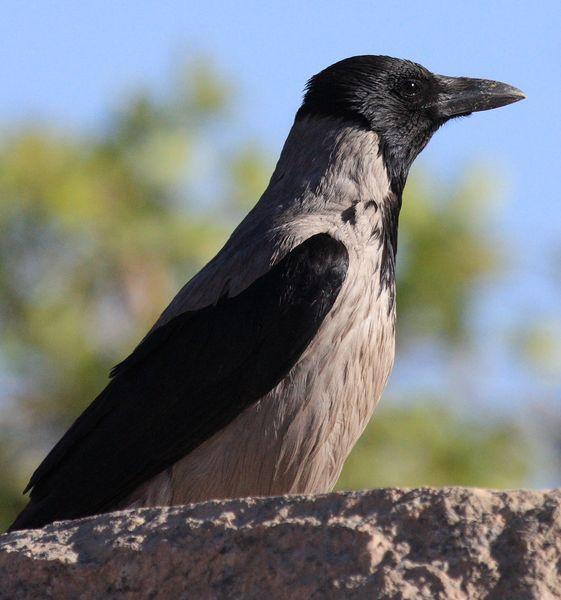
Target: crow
262, 373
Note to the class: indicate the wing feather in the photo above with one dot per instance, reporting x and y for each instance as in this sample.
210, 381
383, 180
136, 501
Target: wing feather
185, 381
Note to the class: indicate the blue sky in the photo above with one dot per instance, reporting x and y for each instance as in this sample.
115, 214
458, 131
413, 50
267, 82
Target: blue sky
68, 61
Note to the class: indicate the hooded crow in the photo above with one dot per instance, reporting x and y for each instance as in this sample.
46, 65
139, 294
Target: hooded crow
264, 370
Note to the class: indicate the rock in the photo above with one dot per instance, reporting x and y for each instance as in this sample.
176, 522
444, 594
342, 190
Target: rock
425, 543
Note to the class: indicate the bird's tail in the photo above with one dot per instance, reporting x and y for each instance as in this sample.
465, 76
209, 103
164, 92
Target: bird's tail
34, 516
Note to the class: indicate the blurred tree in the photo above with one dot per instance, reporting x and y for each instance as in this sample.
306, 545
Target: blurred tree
428, 444
443, 254
100, 230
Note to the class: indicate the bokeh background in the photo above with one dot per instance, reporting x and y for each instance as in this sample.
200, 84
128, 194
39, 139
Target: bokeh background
135, 135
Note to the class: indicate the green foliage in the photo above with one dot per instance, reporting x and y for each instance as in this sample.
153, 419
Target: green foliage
97, 239
428, 444
11, 499
100, 230
443, 255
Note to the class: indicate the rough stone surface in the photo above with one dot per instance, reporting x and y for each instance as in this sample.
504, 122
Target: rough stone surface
425, 543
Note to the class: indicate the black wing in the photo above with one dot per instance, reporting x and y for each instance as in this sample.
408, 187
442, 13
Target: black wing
186, 381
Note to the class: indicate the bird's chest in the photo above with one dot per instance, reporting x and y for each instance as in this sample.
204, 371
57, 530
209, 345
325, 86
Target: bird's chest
333, 390
354, 350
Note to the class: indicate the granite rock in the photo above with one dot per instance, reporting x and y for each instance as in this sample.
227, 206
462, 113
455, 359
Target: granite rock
451, 543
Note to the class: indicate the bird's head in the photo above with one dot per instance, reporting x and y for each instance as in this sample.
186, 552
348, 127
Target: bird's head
401, 101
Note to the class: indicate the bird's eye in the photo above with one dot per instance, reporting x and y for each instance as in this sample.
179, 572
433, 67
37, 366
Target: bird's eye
410, 89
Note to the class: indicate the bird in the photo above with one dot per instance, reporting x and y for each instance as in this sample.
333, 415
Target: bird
263, 371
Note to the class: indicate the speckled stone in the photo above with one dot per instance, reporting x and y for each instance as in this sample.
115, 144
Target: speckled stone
450, 543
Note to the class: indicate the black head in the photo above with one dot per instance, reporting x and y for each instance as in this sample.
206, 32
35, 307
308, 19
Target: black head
401, 101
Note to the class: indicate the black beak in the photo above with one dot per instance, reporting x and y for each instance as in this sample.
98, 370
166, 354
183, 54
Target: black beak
462, 95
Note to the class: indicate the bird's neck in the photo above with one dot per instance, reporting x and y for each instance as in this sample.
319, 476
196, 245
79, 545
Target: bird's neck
327, 167
334, 160
330, 178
